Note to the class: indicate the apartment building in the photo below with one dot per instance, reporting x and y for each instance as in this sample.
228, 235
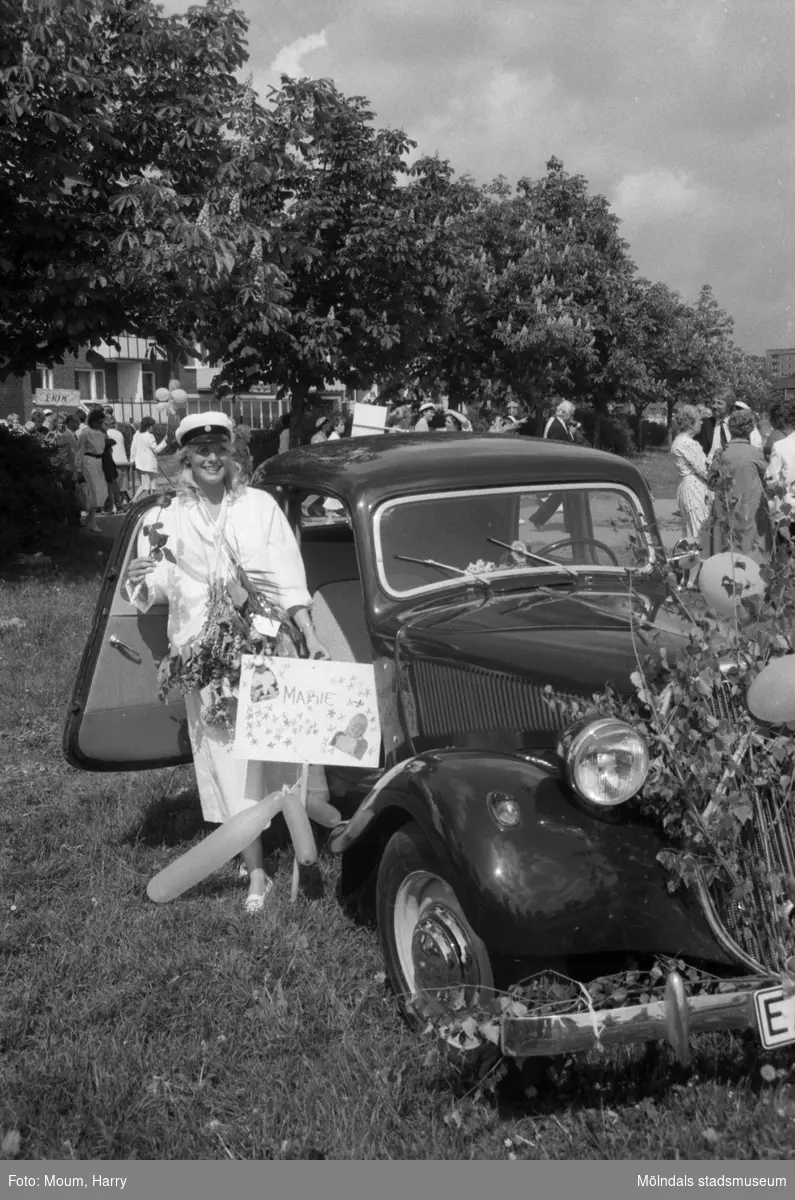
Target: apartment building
781, 371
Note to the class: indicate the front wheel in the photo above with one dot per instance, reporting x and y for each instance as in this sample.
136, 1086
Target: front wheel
430, 949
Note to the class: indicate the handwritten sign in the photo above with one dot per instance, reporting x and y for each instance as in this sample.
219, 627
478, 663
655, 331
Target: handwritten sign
55, 397
301, 711
368, 418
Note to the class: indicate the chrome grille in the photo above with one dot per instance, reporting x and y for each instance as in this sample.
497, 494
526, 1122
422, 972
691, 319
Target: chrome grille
453, 698
751, 918
769, 847
724, 704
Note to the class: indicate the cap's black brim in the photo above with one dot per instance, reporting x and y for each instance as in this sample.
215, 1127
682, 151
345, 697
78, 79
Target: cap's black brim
217, 433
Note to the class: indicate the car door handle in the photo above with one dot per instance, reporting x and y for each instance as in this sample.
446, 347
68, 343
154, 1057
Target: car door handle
118, 644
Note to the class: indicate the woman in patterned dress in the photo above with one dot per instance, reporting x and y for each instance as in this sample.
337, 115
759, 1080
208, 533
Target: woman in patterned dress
693, 495
740, 511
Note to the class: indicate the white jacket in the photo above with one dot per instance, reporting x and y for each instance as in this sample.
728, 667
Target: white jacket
146, 450
260, 537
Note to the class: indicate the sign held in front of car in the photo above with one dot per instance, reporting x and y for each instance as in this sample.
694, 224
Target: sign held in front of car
303, 711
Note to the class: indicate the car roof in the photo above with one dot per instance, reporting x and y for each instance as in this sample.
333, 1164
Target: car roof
371, 469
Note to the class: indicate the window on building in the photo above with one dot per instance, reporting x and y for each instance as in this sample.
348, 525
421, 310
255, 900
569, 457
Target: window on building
42, 378
90, 384
148, 386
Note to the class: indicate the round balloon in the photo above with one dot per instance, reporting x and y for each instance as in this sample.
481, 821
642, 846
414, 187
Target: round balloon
173, 383
179, 397
162, 395
729, 578
771, 696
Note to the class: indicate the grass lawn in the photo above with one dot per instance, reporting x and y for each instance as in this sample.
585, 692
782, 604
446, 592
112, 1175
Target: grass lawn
660, 472
130, 1030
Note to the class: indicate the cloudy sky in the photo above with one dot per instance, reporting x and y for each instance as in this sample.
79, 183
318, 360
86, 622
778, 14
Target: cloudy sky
679, 111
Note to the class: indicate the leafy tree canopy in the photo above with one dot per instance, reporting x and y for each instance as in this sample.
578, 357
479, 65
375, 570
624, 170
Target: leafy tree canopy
125, 142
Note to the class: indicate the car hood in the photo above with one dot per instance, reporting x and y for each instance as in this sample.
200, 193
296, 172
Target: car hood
576, 640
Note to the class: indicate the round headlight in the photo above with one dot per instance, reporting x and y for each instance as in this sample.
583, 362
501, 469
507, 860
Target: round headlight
606, 761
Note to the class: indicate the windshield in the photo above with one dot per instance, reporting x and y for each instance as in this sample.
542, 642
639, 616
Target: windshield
570, 529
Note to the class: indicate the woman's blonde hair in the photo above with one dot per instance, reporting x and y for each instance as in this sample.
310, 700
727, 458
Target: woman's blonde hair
237, 474
686, 417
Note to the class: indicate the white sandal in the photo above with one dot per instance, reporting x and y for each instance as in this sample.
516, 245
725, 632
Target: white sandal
255, 902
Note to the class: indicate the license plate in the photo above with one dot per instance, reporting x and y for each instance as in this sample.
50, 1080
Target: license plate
775, 1014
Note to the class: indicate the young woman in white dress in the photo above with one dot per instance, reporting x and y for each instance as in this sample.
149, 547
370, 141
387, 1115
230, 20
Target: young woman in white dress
215, 525
692, 494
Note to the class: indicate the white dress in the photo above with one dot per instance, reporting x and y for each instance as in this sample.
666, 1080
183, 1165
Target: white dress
263, 543
693, 495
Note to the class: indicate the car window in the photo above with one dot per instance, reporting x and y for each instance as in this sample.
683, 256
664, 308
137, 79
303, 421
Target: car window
312, 509
576, 526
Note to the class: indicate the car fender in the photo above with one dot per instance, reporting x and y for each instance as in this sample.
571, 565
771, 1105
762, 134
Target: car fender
565, 881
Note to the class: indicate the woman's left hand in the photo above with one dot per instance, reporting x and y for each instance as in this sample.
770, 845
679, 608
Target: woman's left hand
315, 646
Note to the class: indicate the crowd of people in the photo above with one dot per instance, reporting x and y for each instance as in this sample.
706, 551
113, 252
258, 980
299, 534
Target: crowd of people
91, 459
735, 486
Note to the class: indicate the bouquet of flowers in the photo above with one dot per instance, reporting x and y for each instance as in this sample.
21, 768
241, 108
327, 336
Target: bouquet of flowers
240, 620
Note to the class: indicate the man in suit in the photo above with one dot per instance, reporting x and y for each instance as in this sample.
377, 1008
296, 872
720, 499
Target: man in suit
556, 430
721, 407
557, 427
707, 431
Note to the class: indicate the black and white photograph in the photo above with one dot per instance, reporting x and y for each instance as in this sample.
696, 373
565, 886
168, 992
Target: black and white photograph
447, 350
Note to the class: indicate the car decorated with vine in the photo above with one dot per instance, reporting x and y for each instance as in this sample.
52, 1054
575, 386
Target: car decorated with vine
569, 840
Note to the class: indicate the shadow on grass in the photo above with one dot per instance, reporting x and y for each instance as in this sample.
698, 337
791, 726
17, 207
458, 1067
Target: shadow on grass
177, 820
76, 556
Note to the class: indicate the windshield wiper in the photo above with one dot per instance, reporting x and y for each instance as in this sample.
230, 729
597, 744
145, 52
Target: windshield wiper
432, 562
550, 562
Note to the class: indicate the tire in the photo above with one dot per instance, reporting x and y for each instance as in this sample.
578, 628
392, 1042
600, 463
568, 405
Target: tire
426, 964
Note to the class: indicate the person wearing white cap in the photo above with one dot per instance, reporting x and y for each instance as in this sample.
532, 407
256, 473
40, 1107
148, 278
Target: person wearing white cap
216, 533
422, 425
755, 438
323, 428
457, 422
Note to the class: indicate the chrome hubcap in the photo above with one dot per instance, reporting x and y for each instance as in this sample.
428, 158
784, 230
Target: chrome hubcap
433, 942
441, 953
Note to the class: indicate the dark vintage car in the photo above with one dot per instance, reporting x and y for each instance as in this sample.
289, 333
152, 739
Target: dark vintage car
487, 579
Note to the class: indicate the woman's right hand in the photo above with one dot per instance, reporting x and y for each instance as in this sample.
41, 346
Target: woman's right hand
138, 570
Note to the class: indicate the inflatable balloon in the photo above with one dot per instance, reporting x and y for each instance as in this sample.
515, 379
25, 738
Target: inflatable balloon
216, 849
729, 578
162, 394
300, 829
323, 813
173, 383
179, 397
771, 696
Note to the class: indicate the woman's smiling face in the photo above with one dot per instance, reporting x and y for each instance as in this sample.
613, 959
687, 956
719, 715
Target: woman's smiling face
209, 462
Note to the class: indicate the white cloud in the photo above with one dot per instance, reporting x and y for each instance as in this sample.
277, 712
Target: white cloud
654, 195
288, 60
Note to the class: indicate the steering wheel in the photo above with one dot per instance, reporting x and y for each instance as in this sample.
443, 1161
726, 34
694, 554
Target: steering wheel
586, 541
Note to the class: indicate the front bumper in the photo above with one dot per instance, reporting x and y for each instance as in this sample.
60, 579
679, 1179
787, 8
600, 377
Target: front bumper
674, 1017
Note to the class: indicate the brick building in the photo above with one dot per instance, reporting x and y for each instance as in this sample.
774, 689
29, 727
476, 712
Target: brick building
129, 377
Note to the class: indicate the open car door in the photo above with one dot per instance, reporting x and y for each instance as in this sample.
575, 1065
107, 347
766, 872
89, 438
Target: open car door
115, 720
